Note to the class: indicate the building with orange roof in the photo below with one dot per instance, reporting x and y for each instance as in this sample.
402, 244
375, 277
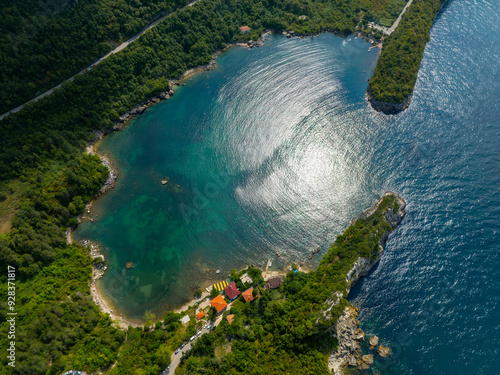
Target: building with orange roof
244, 29
230, 318
247, 295
200, 315
219, 304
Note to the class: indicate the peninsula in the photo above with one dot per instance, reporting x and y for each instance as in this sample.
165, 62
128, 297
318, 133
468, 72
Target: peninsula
391, 86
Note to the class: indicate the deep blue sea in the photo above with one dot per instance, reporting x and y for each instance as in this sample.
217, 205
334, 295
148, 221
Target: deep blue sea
271, 154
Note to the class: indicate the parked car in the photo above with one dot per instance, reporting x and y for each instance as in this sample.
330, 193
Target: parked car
177, 351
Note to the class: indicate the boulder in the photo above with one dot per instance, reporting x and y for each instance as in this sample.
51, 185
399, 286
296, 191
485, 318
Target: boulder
359, 334
363, 366
352, 361
141, 109
373, 341
171, 93
155, 100
163, 95
383, 351
368, 359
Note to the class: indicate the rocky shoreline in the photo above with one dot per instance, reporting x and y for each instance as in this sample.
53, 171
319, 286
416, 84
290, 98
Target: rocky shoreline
346, 328
349, 352
142, 107
386, 107
178, 81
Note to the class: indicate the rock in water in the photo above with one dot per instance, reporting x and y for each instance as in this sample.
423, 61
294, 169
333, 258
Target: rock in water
368, 359
373, 341
359, 334
383, 351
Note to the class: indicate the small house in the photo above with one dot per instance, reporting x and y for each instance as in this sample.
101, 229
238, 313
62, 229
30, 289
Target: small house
244, 29
246, 279
232, 291
274, 283
248, 295
219, 304
200, 315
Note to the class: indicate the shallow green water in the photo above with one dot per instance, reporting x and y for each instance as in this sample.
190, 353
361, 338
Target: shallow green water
259, 162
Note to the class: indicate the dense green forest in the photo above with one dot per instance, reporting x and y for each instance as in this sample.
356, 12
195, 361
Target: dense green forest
183, 40
284, 331
44, 42
397, 67
45, 179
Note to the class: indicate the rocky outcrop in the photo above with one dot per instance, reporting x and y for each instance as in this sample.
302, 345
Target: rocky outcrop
140, 109
383, 351
346, 326
373, 341
368, 359
363, 265
347, 331
386, 107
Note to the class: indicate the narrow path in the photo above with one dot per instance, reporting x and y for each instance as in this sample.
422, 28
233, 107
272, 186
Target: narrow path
117, 49
390, 30
395, 24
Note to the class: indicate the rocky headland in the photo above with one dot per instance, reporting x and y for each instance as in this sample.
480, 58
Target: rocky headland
347, 328
386, 107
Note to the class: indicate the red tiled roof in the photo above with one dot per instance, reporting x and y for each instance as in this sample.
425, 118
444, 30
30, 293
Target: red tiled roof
244, 29
219, 303
200, 315
247, 295
230, 319
231, 291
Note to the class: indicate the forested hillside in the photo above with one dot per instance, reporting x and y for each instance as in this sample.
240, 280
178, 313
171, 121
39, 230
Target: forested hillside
46, 179
397, 67
285, 330
44, 42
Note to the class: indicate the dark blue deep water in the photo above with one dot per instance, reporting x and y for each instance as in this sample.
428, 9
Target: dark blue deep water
272, 154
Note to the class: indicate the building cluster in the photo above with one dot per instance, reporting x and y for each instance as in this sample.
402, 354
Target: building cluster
231, 291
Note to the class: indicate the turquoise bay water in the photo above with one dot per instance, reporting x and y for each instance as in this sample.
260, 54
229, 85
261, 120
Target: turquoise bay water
277, 149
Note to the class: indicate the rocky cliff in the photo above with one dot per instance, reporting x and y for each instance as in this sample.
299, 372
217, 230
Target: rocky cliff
386, 107
346, 329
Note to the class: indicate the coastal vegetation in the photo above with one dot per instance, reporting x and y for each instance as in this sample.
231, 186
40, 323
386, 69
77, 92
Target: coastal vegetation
46, 178
396, 72
288, 330
44, 42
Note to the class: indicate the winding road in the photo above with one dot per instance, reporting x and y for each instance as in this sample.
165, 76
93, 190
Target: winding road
116, 50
